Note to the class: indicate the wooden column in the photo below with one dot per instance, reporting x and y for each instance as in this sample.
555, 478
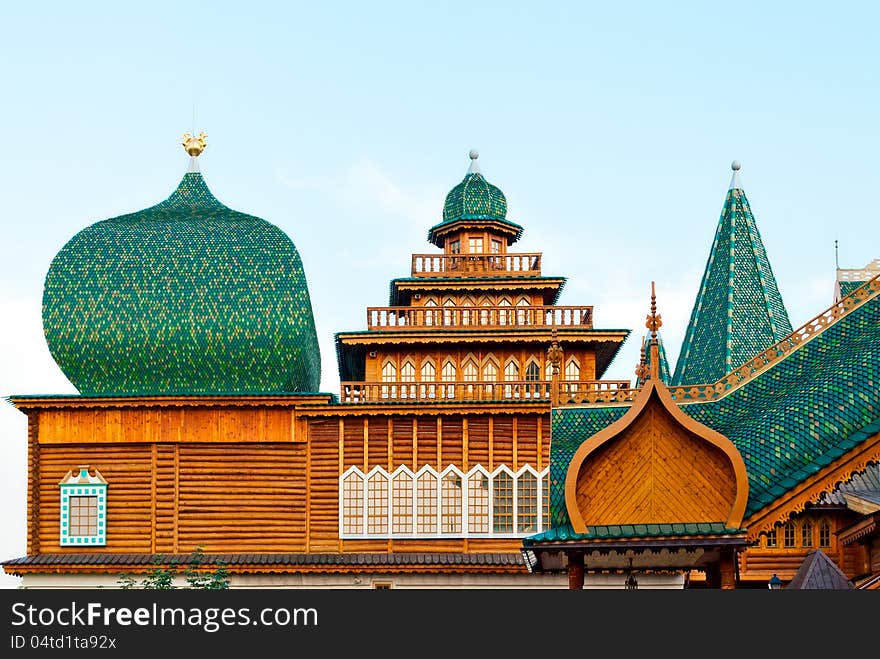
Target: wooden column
575, 570
713, 575
727, 568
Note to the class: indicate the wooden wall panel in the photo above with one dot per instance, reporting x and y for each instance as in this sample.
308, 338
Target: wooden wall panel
353, 437
527, 440
402, 433
127, 469
167, 424
452, 447
502, 440
427, 441
165, 499
241, 498
324, 485
377, 432
478, 440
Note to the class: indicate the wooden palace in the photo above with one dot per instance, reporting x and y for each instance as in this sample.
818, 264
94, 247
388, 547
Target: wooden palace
473, 442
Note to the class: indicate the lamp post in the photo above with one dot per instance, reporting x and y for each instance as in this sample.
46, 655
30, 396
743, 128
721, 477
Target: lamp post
775, 583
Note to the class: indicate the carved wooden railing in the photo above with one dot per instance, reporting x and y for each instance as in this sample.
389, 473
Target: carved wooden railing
753, 367
476, 265
511, 390
402, 318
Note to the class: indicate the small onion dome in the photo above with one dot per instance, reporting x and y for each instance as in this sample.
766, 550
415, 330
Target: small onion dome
185, 297
474, 199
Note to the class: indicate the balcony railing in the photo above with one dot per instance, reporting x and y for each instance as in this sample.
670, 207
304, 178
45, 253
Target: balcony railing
476, 265
403, 318
510, 390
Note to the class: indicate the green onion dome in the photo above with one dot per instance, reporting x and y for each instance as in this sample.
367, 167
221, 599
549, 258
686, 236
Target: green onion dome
185, 297
475, 199
472, 202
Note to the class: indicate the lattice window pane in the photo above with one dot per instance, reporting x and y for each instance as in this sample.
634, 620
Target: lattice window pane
377, 504
83, 516
806, 534
478, 503
788, 535
527, 504
427, 504
353, 504
402, 504
502, 504
824, 534
771, 538
450, 507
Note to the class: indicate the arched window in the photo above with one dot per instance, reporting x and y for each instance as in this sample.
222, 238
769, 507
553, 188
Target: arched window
527, 503
533, 374
824, 534
478, 503
450, 503
353, 504
771, 541
408, 374
485, 316
468, 315
448, 375
408, 371
428, 376
490, 369
572, 370
389, 372
469, 371
807, 533
449, 312
426, 496
504, 317
502, 503
511, 374
377, 503
430, 313
788, 535
402, 503
522, 313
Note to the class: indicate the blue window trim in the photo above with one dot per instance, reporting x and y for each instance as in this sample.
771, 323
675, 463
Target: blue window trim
98, 490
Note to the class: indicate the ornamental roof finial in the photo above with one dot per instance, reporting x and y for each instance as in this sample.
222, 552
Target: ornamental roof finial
653, 323
194, 146
474, 168
734, 180
641, 367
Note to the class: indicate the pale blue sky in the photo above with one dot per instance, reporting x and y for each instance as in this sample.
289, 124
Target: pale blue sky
610, 127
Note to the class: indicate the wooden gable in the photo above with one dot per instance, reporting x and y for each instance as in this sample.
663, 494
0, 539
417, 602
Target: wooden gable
656, 465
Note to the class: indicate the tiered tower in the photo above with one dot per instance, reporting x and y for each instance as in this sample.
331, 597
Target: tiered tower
474, 322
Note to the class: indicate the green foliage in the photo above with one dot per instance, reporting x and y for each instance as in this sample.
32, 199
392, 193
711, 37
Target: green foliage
162, 578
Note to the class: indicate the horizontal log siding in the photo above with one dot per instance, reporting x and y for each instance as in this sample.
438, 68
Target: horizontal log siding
247, 498
127, 468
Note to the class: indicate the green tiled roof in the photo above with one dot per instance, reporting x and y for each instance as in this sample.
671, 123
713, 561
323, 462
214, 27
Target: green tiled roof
664, 363
475, 199
738, 311
566, 533
847, 287
185, 297
790, 421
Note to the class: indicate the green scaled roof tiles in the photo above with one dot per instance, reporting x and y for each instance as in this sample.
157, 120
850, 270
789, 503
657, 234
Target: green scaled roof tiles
796, 417
566, 533
185, 297
664, 363
738, 311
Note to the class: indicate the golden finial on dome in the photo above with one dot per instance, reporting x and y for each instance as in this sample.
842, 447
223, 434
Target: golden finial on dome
194, 145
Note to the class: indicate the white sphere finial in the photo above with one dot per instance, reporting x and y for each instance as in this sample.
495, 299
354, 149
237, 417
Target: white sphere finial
474, 154
735, 165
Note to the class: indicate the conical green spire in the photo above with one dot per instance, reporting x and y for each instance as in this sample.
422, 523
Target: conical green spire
738, 311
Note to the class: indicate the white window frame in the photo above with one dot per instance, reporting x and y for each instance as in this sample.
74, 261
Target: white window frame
464, 525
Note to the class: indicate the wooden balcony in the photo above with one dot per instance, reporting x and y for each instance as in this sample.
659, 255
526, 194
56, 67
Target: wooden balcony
405, 318
476, 265
432, 392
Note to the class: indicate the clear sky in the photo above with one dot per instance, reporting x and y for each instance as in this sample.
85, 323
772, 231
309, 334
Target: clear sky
609, 126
